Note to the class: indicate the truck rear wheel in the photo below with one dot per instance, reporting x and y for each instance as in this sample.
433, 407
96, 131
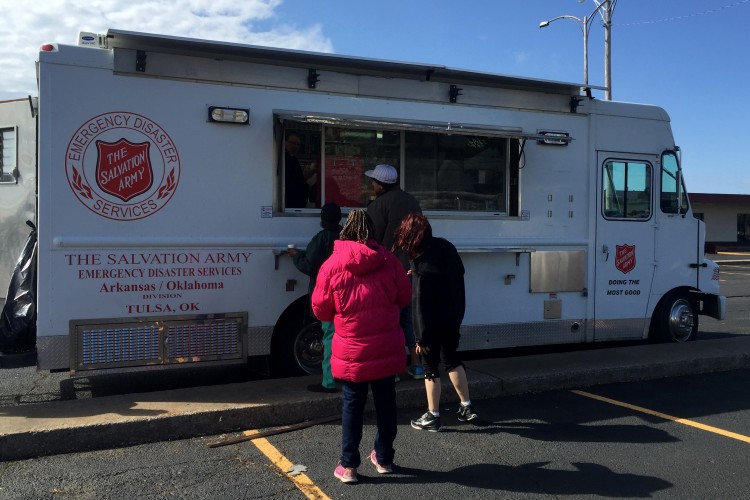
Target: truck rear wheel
677, 318
297, 347
308, 348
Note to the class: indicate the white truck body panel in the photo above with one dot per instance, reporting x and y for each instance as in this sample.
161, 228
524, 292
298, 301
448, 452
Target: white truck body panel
202, 235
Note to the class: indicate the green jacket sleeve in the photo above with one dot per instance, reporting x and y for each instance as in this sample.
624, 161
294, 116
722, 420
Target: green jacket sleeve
309, 260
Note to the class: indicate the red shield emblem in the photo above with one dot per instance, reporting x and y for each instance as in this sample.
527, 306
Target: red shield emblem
625, 258
123, 169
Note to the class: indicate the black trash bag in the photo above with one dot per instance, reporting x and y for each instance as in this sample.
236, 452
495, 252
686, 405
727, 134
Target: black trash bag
18, 320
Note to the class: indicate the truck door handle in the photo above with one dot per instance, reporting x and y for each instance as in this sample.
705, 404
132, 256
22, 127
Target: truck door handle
695, 266
605, 250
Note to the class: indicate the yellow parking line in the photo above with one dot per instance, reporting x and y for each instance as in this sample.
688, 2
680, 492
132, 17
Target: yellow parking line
697, 425
301, 481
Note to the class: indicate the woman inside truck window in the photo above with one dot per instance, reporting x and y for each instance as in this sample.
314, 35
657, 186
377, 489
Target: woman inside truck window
296, 189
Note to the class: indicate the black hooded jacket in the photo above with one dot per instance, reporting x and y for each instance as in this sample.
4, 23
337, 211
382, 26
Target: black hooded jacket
318, 250
438, 293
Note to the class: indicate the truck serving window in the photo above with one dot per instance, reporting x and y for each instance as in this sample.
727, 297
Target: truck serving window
626, 190
348, 154
457, 173
301, 166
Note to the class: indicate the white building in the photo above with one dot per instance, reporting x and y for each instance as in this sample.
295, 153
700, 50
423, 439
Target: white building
18, 180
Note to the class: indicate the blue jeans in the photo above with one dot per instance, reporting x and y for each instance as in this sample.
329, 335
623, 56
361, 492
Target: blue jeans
353, 399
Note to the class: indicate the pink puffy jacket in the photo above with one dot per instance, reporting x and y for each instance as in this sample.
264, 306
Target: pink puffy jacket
362, 288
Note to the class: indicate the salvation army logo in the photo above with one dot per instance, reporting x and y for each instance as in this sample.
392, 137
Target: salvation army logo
122, 166
123, 169
625, 258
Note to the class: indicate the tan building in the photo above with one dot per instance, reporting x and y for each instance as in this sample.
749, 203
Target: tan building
727, 218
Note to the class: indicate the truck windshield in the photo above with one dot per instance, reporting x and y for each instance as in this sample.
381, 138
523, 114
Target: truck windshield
672, 185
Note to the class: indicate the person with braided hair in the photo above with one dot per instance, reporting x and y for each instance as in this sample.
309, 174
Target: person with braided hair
362, 288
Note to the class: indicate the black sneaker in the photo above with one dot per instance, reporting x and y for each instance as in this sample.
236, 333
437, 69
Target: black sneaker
427, 422
465, 413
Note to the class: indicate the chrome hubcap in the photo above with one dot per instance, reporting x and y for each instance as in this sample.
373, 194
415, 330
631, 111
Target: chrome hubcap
681, 320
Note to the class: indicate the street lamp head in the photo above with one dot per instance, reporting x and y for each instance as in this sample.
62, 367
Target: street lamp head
604, 8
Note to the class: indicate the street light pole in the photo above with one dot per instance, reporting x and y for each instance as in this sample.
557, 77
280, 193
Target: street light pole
607, 15
585, 27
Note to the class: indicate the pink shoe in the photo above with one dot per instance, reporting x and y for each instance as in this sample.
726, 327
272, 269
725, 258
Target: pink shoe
346, 474
382, 469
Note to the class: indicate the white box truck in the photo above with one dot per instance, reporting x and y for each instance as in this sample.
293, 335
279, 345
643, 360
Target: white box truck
164, 206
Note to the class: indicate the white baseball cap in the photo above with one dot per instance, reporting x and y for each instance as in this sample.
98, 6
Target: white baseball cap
383, 173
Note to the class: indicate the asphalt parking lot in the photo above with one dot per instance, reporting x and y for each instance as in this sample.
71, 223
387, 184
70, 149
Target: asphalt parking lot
47, 413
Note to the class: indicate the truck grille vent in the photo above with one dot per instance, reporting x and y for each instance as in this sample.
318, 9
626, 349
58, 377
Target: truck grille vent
199, 340
129, 342
120, 345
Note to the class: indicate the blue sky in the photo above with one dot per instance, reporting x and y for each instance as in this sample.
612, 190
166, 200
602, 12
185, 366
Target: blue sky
690, 57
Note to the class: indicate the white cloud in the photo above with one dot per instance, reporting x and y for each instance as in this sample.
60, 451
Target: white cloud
27, 25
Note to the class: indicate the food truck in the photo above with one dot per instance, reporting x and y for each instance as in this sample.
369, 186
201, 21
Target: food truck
164, 215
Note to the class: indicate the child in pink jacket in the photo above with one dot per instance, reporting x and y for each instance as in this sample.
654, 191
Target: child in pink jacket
362, 288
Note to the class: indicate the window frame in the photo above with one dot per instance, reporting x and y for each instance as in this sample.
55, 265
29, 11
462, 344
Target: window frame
680, 193
743, 222
608, 182
9, 175
514, 139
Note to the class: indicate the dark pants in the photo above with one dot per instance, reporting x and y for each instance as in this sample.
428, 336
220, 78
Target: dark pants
353, 399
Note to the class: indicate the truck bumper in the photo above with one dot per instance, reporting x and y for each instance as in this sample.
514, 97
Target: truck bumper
714, 306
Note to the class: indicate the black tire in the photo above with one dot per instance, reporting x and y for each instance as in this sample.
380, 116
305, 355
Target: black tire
308, 348
677, 319
297, 347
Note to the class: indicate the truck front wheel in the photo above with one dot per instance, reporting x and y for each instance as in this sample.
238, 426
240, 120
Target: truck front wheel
677, 318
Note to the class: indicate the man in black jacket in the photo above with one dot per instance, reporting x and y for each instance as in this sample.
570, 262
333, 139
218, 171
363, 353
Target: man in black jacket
387, 211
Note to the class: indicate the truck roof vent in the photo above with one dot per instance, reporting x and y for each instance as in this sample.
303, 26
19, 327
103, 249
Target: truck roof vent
89, 39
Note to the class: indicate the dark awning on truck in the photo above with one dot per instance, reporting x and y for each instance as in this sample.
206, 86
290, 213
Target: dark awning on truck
329, 62
423, 126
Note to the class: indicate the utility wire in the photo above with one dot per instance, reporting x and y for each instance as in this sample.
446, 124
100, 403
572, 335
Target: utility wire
687, 16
